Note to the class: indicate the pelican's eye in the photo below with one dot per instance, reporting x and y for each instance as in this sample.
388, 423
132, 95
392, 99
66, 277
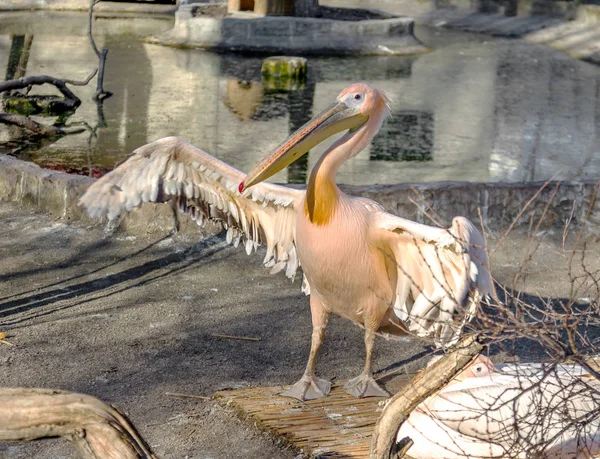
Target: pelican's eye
480, 370
357, 96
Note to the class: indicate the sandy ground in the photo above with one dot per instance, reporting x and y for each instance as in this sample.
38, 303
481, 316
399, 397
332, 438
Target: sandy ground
128, 319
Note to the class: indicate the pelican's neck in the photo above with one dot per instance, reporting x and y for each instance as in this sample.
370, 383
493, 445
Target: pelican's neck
322, 193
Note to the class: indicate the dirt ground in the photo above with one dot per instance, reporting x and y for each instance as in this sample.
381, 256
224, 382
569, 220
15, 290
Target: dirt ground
127, 319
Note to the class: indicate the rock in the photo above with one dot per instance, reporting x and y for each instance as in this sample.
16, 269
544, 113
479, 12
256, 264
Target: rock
284, 73
34, 105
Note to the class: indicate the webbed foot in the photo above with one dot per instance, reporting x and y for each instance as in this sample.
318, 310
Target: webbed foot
365, 386
308, 388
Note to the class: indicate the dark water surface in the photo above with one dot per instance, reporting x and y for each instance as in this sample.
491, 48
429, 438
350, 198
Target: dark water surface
475, 108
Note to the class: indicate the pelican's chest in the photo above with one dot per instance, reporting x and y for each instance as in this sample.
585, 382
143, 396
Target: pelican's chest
336, 256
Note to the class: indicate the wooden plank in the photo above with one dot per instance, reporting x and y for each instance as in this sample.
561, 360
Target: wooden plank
337, 426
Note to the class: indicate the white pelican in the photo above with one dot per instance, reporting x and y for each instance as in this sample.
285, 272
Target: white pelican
387, 274
513, 411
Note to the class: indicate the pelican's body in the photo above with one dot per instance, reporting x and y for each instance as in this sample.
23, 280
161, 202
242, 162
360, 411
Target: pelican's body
388, 274
513, 411
324, 252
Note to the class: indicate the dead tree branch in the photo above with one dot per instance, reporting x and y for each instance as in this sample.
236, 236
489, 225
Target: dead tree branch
25, 82
69, 103
96, 429
83, 82
35, 127
428, 382
100, 92
60, 83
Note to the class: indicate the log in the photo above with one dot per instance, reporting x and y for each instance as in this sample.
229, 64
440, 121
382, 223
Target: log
98, 431
383, 442
60, 84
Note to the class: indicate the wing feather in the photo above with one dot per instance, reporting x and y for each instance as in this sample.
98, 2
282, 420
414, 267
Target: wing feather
442, 275
205, 188
522, 412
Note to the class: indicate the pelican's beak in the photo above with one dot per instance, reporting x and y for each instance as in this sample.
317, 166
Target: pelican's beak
332, 120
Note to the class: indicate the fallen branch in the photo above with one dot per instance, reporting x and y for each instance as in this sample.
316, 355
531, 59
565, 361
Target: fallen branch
70, 102
35, 127
24, 82
96, 429
383, 442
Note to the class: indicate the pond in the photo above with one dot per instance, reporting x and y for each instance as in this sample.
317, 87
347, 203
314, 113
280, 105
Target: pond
475, 108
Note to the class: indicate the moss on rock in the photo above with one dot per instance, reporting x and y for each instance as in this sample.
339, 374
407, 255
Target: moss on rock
284, 73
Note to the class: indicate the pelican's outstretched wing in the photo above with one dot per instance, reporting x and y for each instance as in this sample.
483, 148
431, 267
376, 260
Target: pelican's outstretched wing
442, 274
205, 188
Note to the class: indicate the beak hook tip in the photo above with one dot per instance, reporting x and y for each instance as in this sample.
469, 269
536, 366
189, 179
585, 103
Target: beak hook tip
241, 187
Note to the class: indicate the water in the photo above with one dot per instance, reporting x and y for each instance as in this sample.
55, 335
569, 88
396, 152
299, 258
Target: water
475, 109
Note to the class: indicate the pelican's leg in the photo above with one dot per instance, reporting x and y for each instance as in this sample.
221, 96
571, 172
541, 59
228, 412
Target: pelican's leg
310, 387
173, 205
364, 385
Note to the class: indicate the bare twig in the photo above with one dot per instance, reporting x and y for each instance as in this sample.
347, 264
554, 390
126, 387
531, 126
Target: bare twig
82, 82
176, 394
90, 20
521, 212
243, 338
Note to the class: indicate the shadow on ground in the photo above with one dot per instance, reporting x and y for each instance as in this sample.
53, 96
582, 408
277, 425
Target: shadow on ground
129, 319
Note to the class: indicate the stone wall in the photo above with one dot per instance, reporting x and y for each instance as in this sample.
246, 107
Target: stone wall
499, 204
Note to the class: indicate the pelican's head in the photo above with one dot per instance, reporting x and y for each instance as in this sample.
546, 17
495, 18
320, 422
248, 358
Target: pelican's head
480, 367
354, 107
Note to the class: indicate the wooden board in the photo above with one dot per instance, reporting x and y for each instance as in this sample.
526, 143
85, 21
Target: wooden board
337, 426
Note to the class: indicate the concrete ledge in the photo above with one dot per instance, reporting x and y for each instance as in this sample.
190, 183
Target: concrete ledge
84, 5
31, 185
500, 203
58, 194
293, 35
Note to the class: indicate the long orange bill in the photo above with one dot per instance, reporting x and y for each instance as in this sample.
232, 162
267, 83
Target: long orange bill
330, 121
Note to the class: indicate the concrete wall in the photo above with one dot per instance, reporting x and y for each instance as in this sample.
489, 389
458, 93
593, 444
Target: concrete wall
498, 204
83, 5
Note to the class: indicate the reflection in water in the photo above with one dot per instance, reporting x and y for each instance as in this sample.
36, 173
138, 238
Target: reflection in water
252, 101
18, 56
244, 97
300, 109
508, 8
407, 136
470, 110
128, 107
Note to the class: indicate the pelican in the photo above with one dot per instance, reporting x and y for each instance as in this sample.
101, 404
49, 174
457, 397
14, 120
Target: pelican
515, 411
385, 273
